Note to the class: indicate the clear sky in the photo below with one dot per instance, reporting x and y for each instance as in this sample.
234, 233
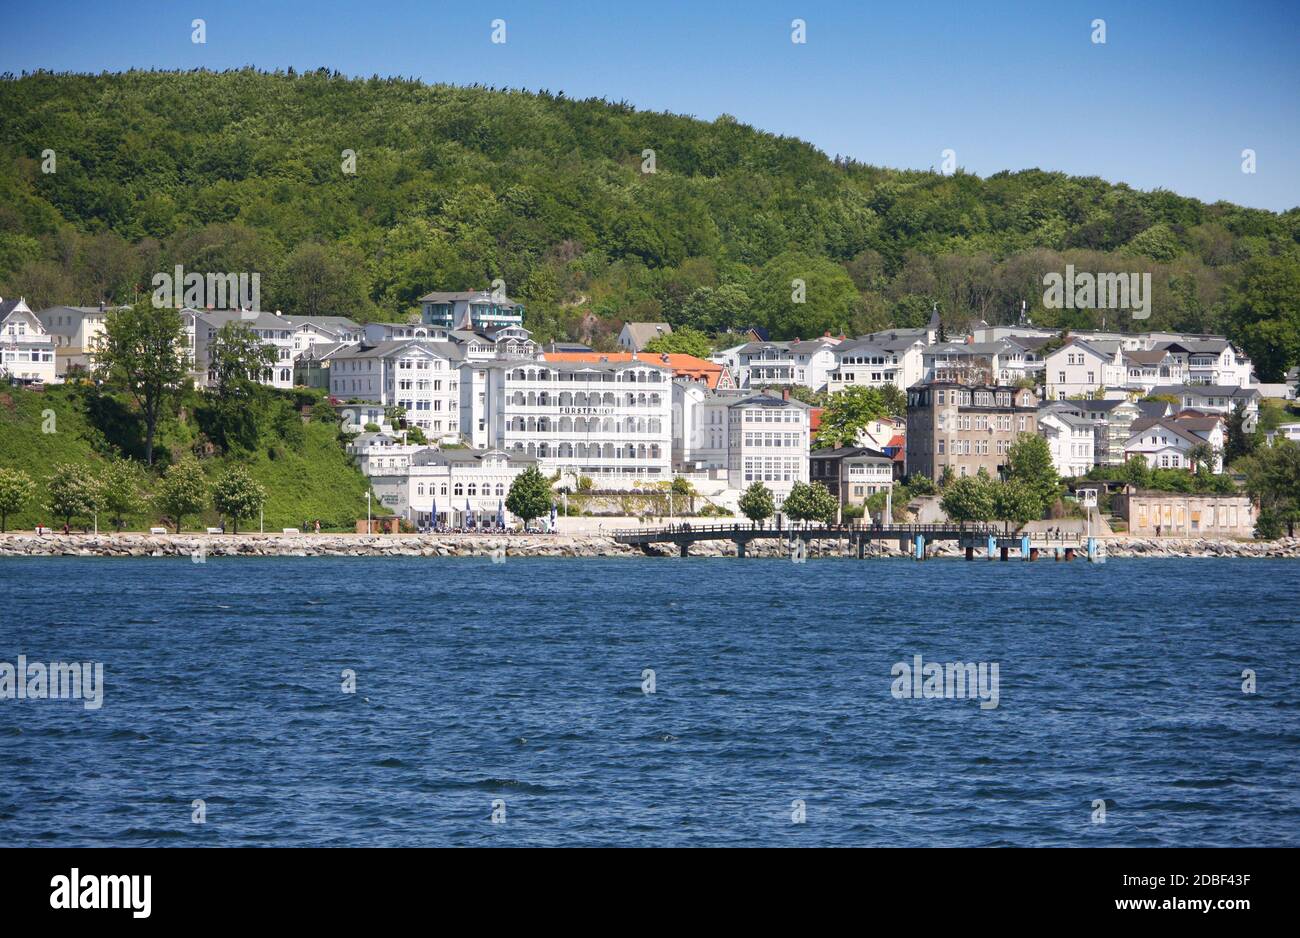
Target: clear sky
1171, 99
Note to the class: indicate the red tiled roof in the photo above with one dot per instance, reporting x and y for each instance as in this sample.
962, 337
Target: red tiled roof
683, 366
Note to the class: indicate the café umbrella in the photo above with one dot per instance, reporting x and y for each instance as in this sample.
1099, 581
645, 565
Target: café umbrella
501, 513
469, 515
433, 513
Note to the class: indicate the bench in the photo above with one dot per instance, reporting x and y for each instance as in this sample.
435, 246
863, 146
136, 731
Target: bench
215, 531
290, 531
157, 530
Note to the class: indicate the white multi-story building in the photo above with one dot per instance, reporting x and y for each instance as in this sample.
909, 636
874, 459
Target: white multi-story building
1214, 399
421, 377
1071, 440
76, 331
27, 351
767, 441
741, 436
1091, 362
455, 487
471, 310
608, 420
309, 331
382, 453
808, 363
1167, 442
200, 328
1079, 368
1003, 361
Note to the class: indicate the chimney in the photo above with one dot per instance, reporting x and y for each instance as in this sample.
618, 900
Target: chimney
785, 394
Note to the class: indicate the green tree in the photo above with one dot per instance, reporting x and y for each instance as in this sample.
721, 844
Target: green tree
237, 495
123, 482
756, 503
810, 501
530, 495
73, 490
848, 411
969, 498
1273, 479
682, 488
183, 491
238, 361
1239, 443
800, 295
681, 341
1202, 457
1136, 472
323, 280
139, 352
1029, 462
16, 490
1013, 501
1265, 315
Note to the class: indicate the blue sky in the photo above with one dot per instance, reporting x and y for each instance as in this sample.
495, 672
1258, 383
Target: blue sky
1171, 99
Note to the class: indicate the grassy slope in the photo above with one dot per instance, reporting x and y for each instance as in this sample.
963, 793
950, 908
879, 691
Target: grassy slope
314, 480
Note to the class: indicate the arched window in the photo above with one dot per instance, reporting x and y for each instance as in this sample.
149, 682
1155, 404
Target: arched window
501, 489
459, 489
566, 425
473, 489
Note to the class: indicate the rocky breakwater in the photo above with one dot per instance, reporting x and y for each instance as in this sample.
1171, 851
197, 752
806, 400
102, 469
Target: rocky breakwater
308, 545
1287, 547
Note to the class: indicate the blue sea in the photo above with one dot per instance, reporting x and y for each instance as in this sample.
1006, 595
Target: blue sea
507, 704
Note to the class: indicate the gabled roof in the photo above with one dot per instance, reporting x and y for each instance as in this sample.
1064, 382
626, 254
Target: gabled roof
482, 296
769, 400
1176, 427
1146, 356
643, 332
448, 350
1205, 390
844, 452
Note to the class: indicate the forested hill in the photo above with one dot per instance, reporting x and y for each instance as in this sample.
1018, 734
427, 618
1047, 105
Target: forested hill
243, 171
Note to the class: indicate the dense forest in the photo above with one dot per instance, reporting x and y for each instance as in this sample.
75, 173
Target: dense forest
454, 187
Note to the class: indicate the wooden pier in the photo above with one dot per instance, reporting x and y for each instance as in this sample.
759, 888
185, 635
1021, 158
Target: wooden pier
988, 540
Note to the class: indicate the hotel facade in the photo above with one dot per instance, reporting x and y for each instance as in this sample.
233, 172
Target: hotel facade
611, 421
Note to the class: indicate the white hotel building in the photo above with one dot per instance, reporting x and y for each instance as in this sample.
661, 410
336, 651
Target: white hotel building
27, 351
611, 421
453, 483
743, 435
422, 377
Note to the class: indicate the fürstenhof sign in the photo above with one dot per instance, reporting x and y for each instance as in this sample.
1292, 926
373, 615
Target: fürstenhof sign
587, 411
